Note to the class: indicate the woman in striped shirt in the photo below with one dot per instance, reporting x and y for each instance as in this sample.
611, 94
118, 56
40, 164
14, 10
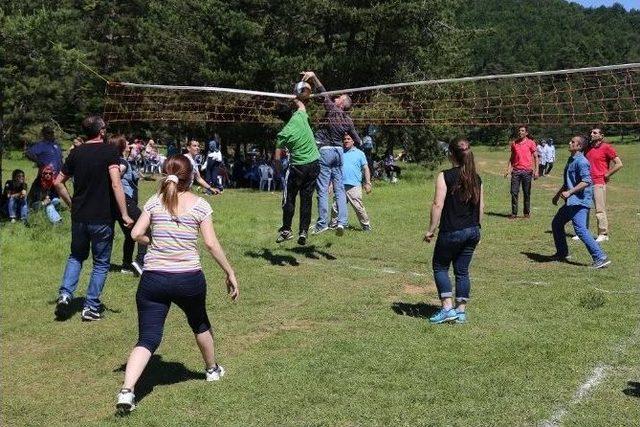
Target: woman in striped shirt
172, 272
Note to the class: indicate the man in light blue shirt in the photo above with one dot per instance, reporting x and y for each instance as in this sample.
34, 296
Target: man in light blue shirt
577, 192
354, 167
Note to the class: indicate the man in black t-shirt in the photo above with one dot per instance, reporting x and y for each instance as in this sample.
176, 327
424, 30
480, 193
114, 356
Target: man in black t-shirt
97, 198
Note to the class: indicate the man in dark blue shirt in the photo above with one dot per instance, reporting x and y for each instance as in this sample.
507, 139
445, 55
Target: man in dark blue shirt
47, 151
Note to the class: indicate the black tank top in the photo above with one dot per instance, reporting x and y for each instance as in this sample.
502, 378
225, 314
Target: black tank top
457, 215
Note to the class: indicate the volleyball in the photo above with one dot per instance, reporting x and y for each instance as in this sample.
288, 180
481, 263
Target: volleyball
302, 90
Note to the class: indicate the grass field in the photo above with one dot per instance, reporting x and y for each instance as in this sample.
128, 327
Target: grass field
335, 333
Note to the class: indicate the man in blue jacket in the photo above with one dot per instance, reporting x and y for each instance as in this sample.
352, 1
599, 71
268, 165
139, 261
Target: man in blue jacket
577, 192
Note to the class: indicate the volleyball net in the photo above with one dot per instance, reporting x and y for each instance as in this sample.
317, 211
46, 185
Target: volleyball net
608, 95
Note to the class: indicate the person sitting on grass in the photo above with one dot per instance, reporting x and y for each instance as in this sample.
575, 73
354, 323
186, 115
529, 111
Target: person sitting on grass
577, 192
15, 196
44, 195
458, 205
173, 273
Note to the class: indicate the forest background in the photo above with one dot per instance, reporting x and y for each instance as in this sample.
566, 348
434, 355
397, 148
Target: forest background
262, 45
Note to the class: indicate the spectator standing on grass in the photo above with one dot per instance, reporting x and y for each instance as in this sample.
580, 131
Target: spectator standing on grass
46, 152
15, 196
523, 167
354, 169
97, 197
329, 139
577, 192
129, 177
173, 273
43, 195
541, 149
551, 156
193, 151
458, 206
296, 138
600, 155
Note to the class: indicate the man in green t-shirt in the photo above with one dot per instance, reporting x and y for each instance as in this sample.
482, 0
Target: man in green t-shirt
297, 138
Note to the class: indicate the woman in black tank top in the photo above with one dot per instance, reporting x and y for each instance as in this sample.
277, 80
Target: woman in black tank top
457, 209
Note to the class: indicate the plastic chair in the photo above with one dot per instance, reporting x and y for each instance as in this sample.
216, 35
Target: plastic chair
266, 176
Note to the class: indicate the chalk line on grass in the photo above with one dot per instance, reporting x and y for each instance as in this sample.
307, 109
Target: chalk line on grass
597, 376
617, 292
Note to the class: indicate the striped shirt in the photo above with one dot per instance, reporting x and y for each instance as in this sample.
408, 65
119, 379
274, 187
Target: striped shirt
174, 240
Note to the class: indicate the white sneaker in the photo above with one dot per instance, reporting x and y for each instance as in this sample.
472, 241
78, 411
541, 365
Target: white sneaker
602, 238
576, 238
137, 267
339, 230
126, 401
214, 374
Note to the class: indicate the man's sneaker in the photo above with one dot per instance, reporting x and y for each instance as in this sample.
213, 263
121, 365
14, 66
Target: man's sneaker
602, 238
215, 373
512, 216
333, 225
62, 306
137, 267
601, 263
302, 239
576, 238
126, 269
340, 230
560, 258
366, 227
462, 317
126, 401
89, 314
526, 216
284, 235
444, 316
318, 230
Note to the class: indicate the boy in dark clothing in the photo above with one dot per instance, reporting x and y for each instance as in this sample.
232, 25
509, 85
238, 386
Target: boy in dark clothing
14, 196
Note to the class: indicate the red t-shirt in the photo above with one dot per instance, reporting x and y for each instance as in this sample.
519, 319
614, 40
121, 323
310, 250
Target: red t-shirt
522, 154
599, 158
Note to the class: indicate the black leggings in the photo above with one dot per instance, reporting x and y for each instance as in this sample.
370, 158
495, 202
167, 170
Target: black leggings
156, 292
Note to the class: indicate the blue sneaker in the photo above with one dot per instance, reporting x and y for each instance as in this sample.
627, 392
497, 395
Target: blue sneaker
443, 316
462, 317
601, 263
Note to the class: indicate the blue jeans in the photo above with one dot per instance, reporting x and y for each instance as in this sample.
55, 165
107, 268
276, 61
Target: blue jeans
331, 171
16, 205
98, 237
454, 247
578, 216
52, 211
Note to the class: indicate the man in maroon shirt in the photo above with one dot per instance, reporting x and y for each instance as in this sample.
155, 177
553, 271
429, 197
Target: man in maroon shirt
523, 166
600, 155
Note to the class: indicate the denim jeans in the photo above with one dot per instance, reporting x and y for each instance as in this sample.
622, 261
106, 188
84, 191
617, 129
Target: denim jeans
52, 211
578, 216
16, 205
98, 237
454, 247
331, 172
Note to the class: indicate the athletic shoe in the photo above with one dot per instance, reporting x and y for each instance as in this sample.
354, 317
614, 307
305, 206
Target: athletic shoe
444, 316
462, 317
215, 373
512, 216
316, 230
126, 269
302, 239
90, 315
602, 238
576, 238
126, 401
137, 267
284, 235
601, 263
62, 306
560, 258
13, 221
340, 230
526, 216
366, 227
333, 225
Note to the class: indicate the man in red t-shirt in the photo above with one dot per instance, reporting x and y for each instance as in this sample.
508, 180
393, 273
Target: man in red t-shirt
523, 166
600, 155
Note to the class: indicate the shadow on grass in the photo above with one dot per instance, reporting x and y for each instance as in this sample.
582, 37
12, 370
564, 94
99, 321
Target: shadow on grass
311, 252
159, 372
498, 214
633, 390
420, 310
274, 259
549, 258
